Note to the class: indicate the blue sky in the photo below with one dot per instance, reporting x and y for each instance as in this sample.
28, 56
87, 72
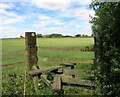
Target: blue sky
68, 17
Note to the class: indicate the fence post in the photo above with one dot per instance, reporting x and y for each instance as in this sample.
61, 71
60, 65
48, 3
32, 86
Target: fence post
31, 48
32, 59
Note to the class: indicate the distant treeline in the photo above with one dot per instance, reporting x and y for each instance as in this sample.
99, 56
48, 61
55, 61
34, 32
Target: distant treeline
55, 36
62, 36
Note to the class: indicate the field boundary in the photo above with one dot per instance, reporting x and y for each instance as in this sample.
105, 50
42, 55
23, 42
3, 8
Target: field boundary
12, 64
67, 48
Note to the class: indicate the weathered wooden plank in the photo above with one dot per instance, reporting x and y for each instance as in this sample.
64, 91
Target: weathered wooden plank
56, 83
35, 82
35, 72
77, 73
44, 78
77, 82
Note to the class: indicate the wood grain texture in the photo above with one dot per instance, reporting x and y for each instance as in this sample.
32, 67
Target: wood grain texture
56, 83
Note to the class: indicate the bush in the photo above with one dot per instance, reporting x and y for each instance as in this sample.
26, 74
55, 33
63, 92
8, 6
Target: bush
107, 48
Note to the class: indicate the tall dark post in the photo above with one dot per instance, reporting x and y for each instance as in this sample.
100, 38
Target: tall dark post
31, 48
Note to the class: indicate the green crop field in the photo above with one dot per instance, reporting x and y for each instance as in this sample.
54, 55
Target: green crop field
51, 51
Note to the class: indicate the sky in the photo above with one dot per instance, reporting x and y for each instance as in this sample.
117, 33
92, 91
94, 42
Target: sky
67, 17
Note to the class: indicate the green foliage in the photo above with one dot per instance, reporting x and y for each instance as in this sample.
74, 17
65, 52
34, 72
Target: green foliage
55, 36
78, 35
13, 86
39, 36
107, 47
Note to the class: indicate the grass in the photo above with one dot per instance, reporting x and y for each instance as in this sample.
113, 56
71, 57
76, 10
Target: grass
19, 44
13, 50
65, 42
63, 54
13, 57
13, 80
13, 45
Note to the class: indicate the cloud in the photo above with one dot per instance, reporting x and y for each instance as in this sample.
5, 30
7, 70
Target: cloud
84, 14
56, 16
47, 21
52, 4
82, 2
14, 1
11, 21
7, 13
6, 6
48, 30
10, 17
10, 31
81, 13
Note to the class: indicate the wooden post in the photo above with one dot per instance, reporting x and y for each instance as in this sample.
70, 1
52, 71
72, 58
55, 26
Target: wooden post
30, 40
32, 59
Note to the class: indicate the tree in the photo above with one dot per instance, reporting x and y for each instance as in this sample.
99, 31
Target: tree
55, 36
21, 36
106, 29
39, 35
92, 35
84, 36
78, 35
68, 36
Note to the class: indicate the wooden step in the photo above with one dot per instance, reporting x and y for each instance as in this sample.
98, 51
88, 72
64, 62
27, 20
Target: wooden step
56, 83
45, 69
77, 82
76, 73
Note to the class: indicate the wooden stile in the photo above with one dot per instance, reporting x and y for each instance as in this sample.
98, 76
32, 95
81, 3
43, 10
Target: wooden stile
59, 80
